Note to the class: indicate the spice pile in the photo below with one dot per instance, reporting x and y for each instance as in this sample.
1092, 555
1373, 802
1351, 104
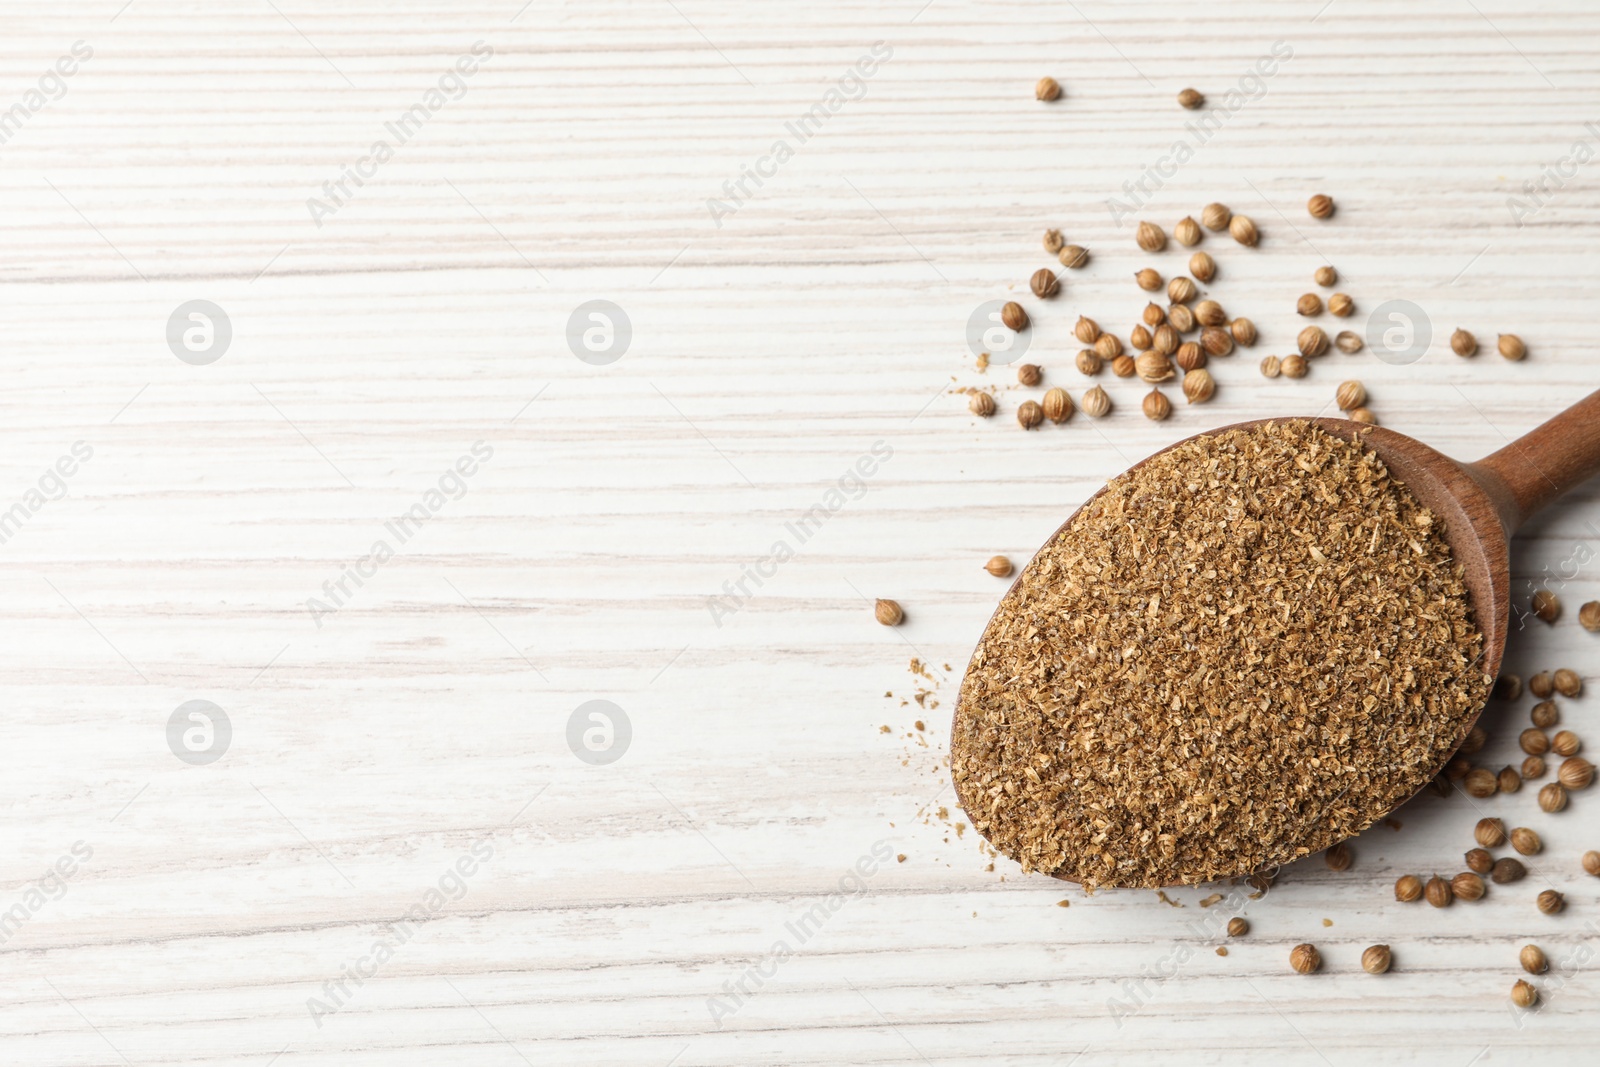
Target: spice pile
1229, 658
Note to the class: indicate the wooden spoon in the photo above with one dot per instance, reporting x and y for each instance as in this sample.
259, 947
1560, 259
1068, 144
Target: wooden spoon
1482, 504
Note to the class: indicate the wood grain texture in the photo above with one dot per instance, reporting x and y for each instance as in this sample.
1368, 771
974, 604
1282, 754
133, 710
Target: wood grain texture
768, 355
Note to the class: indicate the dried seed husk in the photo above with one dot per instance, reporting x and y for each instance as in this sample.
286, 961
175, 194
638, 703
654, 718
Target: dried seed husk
1053, 241
1349, 342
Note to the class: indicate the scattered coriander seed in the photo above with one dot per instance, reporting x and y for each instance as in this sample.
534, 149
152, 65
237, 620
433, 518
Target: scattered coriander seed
1467, 886
1013, 316
1340, 305
1181, 317
1463, 344
1057, 405
1096, 404
1244, 331
1312, 342
1029, 414
1029, 374
1408, 888
1190, 356
999, 566
1199, 386
1565, 743
1153, 315
1550, 902
1533, 960
1181, 290
1364, 416
1089, 362
1087, 330
1053, 241
1326, 276
1510, 780
1542, 685
1591, 863
1507, 870
1151, 238
1210, 313
1044, 283
1216, 341
1123, 366
1567, 683
1216, 217
1589, 616
1305, 959
1108, 345
1546, 605
1243, 229
1438, 892
1140, 338
888, 612
1376, 959
1533, 768
1511, 347
1526, 841
1339, 857
1350, 395
1294, 366
1187, 231
1238, 927
1320, 206
1534, 741
1524, 995
1157, 406
1271, 367
1545, 714
1191, 99
1490, 833
981, 405
1481, 782
1508, 686
1149, 279
1047, 89
1309, 305
1553, 797
1473, 742
1073, 257
1479, 861
1349, 342
1576, 773
1165, 339
1458, 767
1203, 267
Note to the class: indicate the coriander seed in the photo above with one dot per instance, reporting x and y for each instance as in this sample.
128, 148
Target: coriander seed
1533, 767
1481, 783
1408, 888
1203, 267
1096, 404
1438, 892
1305, 959
1533, 960
1507, 870
1181, 290
1490, 833
1565, 743
1479, 861
1165, 339
1198, 386
1351, 394
1151, 238
1364, 416
1057, 405
1123, 366
1511, 347
1553, 797
1546, 605
1376, 959
1029, 414
1576, 773
888, 612
1467, 886
1510, 780
1312, 342
1508, 686
1216, 341
1542, 685
1210, 313
1216, 217
1157, 406
1073, 257
1238, 927
1567, 682
1044, 283
1545, 714
1320, 206
1089, 362
1243, 229
1524, 995
1463, 343
1271, 367
1153, 315
1190, 99
1029, 374
1149, 279
1591, 863
1534, 741
981, 405
1294, 366
1244, 332
1341, 306
1053, 241
1326, 277
1187, 231
1140, 338
1190, 356
1047, 89
999, 566
1087, 330
1339, 857
1181, 317
1473, 742
1014, 317
1309, 305
1108, 345
1349, 342
1526, 841
1589, 616
1550, 902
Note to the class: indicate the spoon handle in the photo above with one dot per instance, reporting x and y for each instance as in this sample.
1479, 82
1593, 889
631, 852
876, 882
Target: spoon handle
1542, 464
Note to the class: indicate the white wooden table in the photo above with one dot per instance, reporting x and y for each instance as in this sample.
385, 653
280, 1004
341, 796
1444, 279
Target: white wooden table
241, 910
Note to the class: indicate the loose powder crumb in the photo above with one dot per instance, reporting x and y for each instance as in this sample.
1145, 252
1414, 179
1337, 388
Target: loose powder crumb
1240, 652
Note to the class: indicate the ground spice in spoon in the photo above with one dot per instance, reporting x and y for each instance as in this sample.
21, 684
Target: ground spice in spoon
1244, 650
